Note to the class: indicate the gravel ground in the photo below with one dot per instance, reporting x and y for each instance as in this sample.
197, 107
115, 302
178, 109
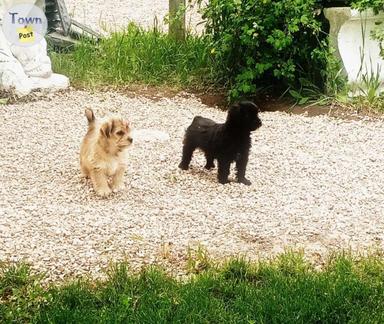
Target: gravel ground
110, 15
317, 184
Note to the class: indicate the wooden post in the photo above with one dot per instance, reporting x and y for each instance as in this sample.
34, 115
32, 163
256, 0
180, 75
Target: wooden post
177, 19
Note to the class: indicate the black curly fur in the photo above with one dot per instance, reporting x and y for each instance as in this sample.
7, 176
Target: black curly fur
228, 142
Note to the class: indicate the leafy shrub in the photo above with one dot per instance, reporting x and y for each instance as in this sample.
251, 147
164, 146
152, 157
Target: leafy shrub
259, 42
375, 5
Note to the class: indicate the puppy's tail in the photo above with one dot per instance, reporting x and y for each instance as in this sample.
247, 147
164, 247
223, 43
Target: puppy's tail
90, 117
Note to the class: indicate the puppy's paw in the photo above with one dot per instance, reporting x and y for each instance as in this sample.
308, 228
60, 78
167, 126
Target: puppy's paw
223, 181
83, 175
182, 166
103, 192
209, 166
244, 181
118, 187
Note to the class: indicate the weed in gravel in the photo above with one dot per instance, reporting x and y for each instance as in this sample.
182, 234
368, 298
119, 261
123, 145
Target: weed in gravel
198, 260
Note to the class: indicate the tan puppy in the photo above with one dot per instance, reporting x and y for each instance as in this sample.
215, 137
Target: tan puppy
102, 153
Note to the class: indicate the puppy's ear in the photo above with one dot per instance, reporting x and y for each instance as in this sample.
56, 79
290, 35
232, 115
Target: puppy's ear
90, 115
235, 106
233, 113
126, 124
113, 126
248, 105
234, 109
106, 129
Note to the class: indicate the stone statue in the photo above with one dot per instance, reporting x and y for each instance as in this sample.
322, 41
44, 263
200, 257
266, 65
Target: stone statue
26, 68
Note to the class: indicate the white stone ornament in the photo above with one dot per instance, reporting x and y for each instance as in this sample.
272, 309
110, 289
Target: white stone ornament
350, 35
25, 65
12, 76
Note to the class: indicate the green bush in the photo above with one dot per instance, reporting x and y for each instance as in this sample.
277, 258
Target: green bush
375, 5
261, 42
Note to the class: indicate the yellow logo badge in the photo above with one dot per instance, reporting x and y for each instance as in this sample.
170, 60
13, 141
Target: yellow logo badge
26, 34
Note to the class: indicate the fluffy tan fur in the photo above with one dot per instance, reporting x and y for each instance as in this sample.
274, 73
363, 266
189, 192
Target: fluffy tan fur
102, 153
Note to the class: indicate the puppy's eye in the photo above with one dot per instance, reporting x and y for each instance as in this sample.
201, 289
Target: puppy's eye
120, 133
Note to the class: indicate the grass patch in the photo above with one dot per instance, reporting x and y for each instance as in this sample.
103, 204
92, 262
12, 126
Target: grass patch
286, 290
138, 56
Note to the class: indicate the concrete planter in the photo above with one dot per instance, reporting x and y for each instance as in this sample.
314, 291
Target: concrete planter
350, 36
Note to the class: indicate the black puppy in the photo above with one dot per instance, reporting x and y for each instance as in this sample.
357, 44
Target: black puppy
228, 142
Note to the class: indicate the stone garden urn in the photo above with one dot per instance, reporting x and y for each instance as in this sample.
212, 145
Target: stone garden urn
350, 36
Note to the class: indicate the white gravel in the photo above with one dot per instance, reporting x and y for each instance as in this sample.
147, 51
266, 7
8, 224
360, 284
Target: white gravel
317, 184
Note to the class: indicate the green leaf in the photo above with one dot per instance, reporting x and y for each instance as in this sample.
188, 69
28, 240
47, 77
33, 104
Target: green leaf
295, 94
303, 100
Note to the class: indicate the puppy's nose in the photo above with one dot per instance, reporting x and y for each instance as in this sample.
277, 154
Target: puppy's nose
130, 139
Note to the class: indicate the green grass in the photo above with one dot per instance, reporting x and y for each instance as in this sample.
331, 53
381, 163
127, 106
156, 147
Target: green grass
138, 56
149, 57
286, 290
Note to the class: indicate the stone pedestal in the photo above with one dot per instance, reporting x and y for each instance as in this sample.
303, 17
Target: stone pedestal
350, 36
